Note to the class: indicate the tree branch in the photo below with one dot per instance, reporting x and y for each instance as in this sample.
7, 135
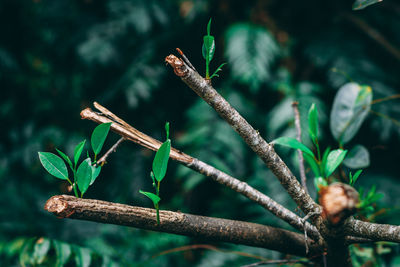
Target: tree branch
303, 177
372, 231
252, 137
124, 129
211, 229
103, 159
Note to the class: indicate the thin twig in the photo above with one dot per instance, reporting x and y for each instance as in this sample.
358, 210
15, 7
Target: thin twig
103, 159
311, 214
303, 177
374, 35
185, 59
383, 99
208, 228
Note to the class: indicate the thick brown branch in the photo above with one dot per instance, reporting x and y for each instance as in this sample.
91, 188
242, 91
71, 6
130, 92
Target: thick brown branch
373, 231
252, 137
121, 127
212, 229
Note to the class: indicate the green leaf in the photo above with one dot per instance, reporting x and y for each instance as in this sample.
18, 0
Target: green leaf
313, 123
82, 256
217, 70
350, 108
313, 164
152, 196
324, 159
319, 182
95, 173
334, 159
292, 143
63, 252
357, 158
209, 27
99, 136
66, 158
353, 178
361, 4
208, 48
40, 250
160, 161
167, 129
78, 151
84, 175
54, 165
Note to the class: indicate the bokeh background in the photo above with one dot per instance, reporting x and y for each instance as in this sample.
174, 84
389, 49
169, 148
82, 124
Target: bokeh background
57, 57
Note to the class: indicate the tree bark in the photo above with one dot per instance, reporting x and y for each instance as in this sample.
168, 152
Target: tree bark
210, 229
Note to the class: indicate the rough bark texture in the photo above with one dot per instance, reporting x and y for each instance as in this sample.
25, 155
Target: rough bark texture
265, 151
127, 131
210, 229
373, 231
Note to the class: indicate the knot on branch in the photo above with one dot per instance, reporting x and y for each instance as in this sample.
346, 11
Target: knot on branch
177, 64
338, 201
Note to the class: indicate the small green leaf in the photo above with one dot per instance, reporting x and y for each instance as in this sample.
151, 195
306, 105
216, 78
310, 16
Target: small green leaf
66, 158
99, 136
83, 256
319, 182
209, 27
63, 252
313, 164
160, 161
361, 4
334, 159
95, 173
324, 159
167, 129
313, 123
217, 70
84, 175
358, 157
353, 178
54, 165
78, 151
152, 196
208, 48
292, 143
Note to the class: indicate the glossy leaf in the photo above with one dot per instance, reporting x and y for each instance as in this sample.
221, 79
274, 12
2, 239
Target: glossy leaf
208, 48
217, 70
99, 136
357, 158
78, 151
350, 108
361, 4
84, 175
353, 178
63, 252
334, 159
324, 159
313, 123
293, 143
160, 161
152, 196
66, 158
313, 164
54, 165
83, 256
95, 173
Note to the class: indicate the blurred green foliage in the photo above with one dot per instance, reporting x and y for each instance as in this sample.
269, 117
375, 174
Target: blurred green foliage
56, 57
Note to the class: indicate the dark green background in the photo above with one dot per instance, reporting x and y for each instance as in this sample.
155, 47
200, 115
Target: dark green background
57, 57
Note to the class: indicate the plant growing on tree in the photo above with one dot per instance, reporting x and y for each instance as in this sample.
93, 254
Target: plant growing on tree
208, 51
88, 170
160, 164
